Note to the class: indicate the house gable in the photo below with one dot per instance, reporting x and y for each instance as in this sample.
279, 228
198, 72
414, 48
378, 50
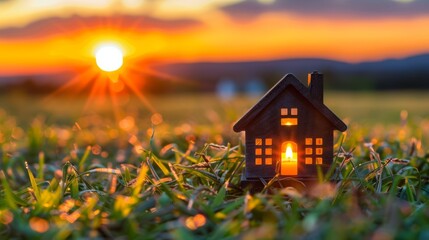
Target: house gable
288, 81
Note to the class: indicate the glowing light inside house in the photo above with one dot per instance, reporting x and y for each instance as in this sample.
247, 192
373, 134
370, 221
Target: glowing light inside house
289, 121
289, 153
289, 157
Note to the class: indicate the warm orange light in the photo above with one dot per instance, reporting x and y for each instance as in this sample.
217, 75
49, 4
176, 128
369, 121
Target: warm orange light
289, 153
289, 157
109, 57
289, 121
27, 55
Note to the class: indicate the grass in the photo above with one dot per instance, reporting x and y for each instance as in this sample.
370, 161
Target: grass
67, 174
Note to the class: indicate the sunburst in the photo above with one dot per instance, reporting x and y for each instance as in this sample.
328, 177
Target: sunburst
109, 57
112, 72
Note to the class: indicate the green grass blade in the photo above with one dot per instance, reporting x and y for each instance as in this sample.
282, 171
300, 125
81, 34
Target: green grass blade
140, 180
84, 158
127, 175
220, 197
9, 196
65, 173
160, 164
184, 156
203, 174
33, 183
101, 170
74, 187
176, 177
236, 167
410, 191
152, 170
41, 166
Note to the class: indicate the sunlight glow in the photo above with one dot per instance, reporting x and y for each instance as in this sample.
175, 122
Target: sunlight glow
109, 57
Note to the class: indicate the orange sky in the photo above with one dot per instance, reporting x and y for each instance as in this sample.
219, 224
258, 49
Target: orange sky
218, 37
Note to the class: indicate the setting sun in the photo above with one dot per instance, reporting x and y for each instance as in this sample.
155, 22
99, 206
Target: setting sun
109, 57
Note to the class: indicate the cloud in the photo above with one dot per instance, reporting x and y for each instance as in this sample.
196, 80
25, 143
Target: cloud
57, 25
332, 8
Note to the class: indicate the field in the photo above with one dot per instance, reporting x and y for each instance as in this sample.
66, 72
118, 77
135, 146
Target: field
73, 169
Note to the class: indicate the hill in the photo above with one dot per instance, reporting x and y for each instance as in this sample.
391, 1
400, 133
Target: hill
390, 74
407, 73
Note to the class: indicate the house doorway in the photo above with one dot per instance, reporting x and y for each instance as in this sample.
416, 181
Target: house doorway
289, 159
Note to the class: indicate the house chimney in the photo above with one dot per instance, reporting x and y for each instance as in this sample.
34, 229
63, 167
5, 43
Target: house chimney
315, 84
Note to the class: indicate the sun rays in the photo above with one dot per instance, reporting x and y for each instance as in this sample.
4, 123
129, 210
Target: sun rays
105, 89
113, 71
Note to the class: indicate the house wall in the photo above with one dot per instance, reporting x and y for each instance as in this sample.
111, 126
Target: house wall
311, 124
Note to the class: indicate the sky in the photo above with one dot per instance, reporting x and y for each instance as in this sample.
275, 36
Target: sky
49, 36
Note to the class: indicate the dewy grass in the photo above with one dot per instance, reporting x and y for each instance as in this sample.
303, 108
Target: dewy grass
182, 182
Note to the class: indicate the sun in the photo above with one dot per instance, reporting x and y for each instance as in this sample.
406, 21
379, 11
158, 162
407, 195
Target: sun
109, 57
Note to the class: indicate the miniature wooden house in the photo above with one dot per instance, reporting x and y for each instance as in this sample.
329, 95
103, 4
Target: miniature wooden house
289, 131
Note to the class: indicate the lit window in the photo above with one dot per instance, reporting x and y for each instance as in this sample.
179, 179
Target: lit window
289, 158
283, 111
310, 148
263, 151
289, 121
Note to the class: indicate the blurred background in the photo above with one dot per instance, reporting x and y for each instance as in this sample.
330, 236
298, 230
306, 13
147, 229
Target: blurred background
93, 93
210, 60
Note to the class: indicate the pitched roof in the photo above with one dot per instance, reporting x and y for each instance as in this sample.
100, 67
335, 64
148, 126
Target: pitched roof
288, 80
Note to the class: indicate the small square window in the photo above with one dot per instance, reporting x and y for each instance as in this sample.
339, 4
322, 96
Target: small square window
269, 141
319, 160
258, 151
308, 160
283, 111
308, 151
319, 141
319, 151
308, 141
294, 112
268, 151
258, 141
258, 161
268, 161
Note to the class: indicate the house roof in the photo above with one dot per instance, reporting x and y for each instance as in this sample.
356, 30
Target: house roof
288, 80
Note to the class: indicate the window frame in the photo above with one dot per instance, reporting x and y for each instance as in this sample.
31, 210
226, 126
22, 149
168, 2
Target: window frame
313, 150
263, 151
288, 116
